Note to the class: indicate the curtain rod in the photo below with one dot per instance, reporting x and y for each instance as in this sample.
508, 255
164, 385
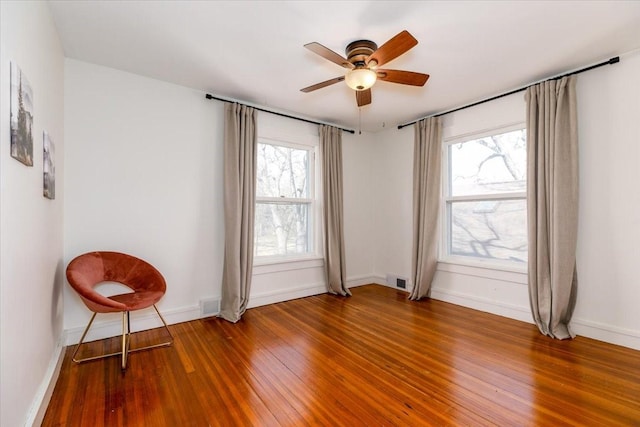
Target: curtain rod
209, 96
613, 60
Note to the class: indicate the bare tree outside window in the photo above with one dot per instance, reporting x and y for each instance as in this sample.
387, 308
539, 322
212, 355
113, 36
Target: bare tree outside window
486, 205
283, 201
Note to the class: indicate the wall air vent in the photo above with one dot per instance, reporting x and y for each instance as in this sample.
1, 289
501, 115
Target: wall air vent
398, 282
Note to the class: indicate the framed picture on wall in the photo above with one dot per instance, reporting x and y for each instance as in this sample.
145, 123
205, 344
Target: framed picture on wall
48, 167
21, 117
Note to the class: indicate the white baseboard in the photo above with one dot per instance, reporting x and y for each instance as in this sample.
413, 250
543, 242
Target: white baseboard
45, 390
589, 329
281, 295
379, 280
356, 281
110, 325
511, 311
305, 291
607, 333
382, 281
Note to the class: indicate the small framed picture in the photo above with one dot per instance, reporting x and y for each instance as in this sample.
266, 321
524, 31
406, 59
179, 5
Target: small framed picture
21, 117
48, 167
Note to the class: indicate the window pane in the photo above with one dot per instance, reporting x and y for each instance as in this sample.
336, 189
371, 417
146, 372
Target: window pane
494, 164
495, 229
282, 229
282, 172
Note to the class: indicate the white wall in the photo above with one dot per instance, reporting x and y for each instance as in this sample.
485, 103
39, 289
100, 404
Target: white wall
392, 156
359, 210
609, 222
144, 176
609, 229
31, 263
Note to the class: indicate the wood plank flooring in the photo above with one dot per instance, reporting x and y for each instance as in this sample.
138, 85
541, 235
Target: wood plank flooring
374, 359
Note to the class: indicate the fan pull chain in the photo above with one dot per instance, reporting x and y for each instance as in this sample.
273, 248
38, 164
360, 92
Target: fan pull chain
359, 120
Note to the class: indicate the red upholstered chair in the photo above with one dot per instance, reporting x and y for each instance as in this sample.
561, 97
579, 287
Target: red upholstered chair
88, 270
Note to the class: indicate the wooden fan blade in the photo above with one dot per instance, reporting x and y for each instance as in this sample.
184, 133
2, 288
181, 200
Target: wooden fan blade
321, 85
403, 77
363, 97
327, 53
395, 47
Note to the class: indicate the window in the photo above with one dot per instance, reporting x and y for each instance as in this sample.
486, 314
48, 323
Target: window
485, 198
285, 205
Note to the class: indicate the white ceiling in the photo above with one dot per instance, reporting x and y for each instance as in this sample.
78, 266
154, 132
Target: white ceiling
253, 51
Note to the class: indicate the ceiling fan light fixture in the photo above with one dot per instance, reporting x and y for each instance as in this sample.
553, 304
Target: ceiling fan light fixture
360, 78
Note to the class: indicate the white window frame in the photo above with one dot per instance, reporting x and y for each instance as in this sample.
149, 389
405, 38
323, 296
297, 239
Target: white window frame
311, 201
444, 255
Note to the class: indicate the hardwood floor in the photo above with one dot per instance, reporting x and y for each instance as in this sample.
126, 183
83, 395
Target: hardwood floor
374, 359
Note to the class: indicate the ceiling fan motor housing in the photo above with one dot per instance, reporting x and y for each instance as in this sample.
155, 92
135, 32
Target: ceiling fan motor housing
358, 51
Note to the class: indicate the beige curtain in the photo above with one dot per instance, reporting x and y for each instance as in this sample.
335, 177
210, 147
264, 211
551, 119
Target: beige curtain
552, 203
240, 152
334, 259
427, 162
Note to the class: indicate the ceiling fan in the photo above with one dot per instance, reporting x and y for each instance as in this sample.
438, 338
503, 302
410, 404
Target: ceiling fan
363, 59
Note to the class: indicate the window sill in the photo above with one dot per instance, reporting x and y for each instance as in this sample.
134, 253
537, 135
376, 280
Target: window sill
495, 271
274, 265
